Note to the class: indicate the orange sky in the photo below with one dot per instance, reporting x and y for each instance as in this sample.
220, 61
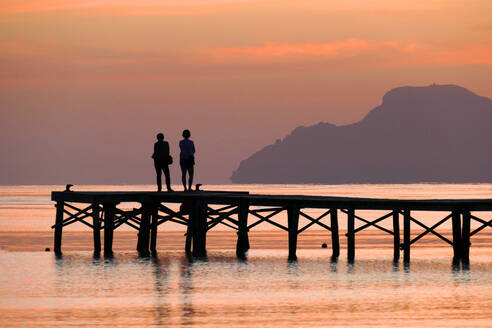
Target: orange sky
239, 74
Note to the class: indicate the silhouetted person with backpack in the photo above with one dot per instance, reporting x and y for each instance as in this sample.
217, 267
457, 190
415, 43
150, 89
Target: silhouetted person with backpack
187, 159
162, 159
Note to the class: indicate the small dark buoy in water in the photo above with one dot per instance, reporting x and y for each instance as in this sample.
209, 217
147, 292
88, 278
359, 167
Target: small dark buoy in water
47, 249
324, 245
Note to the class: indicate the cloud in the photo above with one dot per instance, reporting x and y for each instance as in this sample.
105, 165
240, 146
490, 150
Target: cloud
23, 61
363, 52
115, 7
304, 49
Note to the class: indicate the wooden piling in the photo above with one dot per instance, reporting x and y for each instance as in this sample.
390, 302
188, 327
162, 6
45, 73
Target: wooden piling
396, 236
350, 235
58, 227
406, 236
465, 236
108, 228
189, 237
96, 230
242, 244
335, 240
293, 226
144, 230
457, 249
198, 218
153, 229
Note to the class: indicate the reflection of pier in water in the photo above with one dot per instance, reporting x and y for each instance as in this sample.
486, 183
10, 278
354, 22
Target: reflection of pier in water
203, 210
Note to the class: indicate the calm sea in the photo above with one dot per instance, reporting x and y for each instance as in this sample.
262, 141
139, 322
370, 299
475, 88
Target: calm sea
38, 289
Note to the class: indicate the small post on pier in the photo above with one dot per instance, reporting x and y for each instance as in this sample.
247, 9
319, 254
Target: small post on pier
242, 245
144, 230
108, 228
335, 241
465, 236
350, 235
198, 218
58, 227
153, 230
457, 249
406, 236
293, 223
96, 230
396, 236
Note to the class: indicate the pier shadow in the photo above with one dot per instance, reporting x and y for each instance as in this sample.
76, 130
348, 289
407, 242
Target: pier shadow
457, 266
161, 285
396, 266
334, 266
186, 292
242, 259
292, 266
350, 267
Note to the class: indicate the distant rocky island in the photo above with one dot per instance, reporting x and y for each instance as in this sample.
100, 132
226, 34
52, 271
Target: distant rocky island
437, 133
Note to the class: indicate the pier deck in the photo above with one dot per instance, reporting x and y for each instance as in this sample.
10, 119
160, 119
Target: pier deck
201, 211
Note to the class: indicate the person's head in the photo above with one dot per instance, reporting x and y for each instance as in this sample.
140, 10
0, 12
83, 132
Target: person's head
186, 134
160, 136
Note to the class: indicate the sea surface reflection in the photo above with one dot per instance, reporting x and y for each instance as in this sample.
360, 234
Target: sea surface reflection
266, 290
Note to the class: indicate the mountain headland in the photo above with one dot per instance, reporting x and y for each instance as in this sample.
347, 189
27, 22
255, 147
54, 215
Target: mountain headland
437, 133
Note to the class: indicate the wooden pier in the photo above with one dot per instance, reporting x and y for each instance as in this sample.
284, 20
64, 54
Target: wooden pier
201, 211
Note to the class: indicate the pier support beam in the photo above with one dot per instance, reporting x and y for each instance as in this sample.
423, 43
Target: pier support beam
293, 223
144, 230
198, 219
396, 236
465, 236
335, 240
58, 227
108, 209
189, 237
242, 245
406, 236
457, 249
350, 235
96, 230
153, 229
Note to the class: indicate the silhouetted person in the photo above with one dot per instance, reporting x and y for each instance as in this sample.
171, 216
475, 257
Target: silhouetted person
161, 161
187, 159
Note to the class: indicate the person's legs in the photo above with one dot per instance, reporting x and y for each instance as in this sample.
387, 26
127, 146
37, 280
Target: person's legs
158, 173
191, 172
183, 175
165, 168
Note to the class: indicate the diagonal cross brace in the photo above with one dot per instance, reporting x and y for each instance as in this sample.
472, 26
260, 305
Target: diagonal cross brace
483, 226
314, 221
221, 217
72, 219
211, 211
267, 219
129, 216
121, 219
75, 217
80, 219
431, 229
172, 213
266, 209
162, 219
372, 223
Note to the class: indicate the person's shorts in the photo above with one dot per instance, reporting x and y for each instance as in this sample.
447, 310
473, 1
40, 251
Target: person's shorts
187, 162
